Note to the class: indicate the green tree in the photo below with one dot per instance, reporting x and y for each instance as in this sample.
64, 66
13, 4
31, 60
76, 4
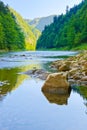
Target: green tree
68, 30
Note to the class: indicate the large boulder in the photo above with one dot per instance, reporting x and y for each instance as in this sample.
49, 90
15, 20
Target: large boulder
56, 83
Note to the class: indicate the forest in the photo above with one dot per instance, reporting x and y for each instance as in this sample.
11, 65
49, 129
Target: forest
15, 33
31, 34
11, 35
68, 31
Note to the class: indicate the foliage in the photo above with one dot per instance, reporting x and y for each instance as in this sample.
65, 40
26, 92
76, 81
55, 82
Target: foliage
82, 90
11, 80
66, 31
15, 33
11, 35
35, 31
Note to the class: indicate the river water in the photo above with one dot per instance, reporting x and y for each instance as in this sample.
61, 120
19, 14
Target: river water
22, 104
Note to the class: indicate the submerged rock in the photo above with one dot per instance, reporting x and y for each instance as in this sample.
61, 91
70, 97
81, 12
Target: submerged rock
38, 73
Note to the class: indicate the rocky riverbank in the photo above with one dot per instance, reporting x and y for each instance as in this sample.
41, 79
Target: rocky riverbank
75, 67
69, 72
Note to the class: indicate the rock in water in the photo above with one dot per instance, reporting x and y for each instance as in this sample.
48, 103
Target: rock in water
56, 83
38, 73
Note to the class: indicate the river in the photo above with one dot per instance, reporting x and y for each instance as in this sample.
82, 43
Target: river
22, 104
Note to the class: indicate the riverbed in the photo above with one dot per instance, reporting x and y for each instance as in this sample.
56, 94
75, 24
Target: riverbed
23, 106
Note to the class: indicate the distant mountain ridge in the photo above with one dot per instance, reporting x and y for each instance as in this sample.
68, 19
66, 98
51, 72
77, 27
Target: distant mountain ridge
40, 23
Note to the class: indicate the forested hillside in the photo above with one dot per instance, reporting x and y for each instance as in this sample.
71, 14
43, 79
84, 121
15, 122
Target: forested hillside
30, 33
11, 35
68, 31
15, 33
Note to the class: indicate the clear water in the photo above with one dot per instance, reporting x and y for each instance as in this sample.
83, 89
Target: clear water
22, 104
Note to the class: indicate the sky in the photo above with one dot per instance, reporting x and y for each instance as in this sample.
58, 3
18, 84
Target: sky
40, 8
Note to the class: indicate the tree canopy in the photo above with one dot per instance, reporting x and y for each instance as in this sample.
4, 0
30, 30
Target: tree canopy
11, 35
68, 30
15, 33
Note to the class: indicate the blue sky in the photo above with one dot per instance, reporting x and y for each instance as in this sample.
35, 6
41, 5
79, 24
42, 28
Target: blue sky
39, 8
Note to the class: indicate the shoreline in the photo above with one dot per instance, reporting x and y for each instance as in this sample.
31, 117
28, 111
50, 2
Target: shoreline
71, 73
75, 67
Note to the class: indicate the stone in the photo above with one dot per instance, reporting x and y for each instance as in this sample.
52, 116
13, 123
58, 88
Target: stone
57, 64
71, 81
68, 62
77, 76
85, 72
23, 55
43, 76
64, 67
73, 71
76, 68
38, 73
85, 66
56, 83
84, 78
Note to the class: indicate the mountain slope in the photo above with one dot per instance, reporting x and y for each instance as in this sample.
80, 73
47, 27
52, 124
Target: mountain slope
67, 31
29, 32
40, 23
15, 33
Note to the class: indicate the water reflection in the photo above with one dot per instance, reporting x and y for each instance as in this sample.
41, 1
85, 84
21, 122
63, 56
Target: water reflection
82, 90
59, 99
10, 80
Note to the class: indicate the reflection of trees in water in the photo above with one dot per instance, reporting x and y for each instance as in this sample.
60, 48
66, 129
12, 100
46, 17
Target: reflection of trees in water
82, 91
60, 99
13, 81
85, 103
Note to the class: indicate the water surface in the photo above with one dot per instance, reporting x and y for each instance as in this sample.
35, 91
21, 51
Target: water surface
22, 104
